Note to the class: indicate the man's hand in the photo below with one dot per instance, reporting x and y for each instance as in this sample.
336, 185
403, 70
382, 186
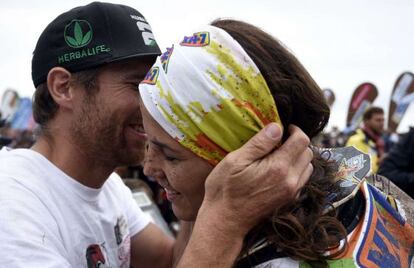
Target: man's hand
244, 188
248, 184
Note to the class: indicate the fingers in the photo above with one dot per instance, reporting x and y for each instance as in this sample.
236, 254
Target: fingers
303, 160
291, 163
304, 177
300, 172
294, 146
261, 144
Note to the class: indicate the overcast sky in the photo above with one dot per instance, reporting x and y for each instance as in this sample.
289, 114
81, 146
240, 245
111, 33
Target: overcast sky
341, 43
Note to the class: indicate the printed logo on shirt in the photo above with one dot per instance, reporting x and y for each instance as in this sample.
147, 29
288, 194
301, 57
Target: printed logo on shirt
120, 229
123, 241
152, 76
199, 39
95, 257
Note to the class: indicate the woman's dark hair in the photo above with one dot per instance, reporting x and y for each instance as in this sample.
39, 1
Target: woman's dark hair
300, 229
298, 98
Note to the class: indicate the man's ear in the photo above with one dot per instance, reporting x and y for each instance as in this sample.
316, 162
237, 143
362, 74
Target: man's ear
58, 83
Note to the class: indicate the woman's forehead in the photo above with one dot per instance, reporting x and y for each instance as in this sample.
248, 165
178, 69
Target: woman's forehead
156, 134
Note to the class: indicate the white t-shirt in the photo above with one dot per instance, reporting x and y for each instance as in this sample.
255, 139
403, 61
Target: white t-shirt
48, 219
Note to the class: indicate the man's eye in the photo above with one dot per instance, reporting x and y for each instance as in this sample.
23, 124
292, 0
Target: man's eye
134, 86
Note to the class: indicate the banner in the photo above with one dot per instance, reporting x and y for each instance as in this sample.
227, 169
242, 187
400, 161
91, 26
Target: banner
329, 96
401, 97
363, 97
23, 117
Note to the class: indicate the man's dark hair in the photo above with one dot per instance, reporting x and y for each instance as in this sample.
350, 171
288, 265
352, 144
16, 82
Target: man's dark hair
371, 111
45, 108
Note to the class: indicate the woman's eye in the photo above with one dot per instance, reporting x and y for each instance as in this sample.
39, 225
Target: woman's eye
170, 158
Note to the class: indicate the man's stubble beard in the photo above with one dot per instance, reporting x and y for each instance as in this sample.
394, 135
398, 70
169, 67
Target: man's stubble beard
377, 131
99, 137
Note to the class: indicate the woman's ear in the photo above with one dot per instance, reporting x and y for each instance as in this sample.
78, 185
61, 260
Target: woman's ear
58, 83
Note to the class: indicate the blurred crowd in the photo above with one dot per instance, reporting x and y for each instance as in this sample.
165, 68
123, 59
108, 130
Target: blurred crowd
16, 138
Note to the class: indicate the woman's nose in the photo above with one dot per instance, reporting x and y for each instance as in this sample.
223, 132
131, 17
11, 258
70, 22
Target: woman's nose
154, 172
148, 169
151, 168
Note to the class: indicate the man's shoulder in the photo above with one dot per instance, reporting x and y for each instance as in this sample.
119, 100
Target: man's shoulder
20, 172
14, 163
116, 186
359, 134
357, 137
114, 181
16, 159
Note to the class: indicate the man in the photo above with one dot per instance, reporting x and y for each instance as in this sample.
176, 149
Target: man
368, 138
398, 166
60, 206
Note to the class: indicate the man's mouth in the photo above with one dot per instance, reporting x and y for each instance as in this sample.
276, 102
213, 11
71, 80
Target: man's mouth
137, 130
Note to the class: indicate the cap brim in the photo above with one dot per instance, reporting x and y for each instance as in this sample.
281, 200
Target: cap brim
140, 55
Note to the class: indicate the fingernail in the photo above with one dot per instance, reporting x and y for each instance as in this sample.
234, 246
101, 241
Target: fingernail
273, 131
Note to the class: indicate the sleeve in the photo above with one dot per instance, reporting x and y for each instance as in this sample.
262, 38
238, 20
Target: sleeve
137, 219
397, 166
28, 237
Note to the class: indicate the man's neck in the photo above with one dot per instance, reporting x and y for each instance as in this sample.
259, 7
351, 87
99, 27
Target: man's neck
371, 133
70, 158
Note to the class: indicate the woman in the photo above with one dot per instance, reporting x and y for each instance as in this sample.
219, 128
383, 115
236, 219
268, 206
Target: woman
206, 96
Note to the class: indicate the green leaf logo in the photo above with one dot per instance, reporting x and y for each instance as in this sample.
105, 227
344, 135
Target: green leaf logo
78, 33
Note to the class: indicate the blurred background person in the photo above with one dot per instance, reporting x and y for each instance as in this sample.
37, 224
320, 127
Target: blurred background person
398, 166
368, 138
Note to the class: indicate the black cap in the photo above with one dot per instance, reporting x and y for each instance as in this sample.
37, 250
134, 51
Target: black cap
92, 35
